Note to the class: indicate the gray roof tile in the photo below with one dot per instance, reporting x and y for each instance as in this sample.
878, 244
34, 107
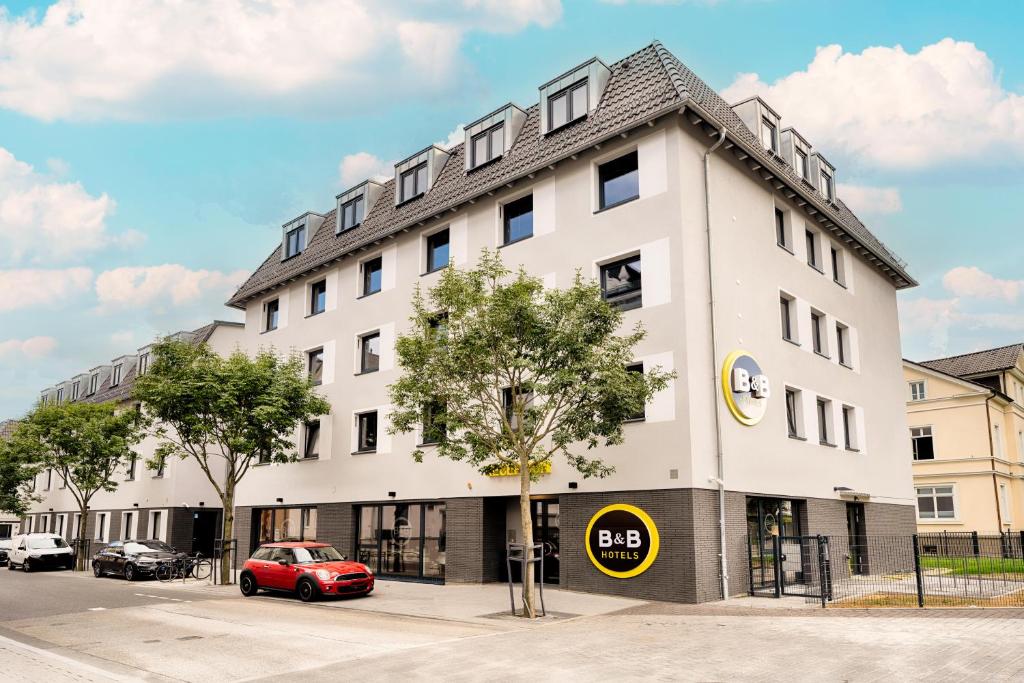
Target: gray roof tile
978, 362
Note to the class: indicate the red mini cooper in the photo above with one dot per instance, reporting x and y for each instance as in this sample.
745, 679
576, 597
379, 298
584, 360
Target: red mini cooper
310, 570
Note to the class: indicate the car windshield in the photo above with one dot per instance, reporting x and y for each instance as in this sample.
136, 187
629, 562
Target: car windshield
147, 547
326, 553
44, 543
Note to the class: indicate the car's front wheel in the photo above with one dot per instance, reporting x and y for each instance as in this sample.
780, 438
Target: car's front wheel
307, 591
26, 566
96, 571
129, 572
247, 584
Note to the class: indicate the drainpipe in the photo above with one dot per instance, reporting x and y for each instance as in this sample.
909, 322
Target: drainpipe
992, 461
720, 478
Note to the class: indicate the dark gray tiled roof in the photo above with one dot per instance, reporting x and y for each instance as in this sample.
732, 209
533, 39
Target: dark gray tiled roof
643, 86
979, 362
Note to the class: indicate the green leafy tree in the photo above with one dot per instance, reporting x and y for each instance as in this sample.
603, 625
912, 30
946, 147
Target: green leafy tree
15, 476
83, 443
505, 374
226, 414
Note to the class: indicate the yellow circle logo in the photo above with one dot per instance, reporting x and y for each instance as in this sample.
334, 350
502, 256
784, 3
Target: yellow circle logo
622, 541
745, 387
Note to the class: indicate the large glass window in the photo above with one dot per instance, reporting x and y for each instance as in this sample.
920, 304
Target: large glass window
403, 539
286, 524
352, 213
318, 297
369, 352
518, 219
922, 444
567, 105
437, 250
488, 145
295, 241
366, 424
621, 283
619, 180
271, 319
413, 182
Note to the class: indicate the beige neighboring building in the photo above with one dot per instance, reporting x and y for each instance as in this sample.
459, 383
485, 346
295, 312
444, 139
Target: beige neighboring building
966, 419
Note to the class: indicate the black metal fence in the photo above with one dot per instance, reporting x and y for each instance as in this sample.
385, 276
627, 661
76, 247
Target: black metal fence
922, 570
224, 554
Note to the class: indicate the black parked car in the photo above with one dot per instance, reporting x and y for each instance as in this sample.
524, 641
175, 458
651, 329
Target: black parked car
5, 545
133, 559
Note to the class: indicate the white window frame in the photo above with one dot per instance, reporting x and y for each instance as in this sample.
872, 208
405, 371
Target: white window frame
798, 416
924, 390
997, 441
936, 519
102, 531
1005, 505
161, 533
127, 533
931, 435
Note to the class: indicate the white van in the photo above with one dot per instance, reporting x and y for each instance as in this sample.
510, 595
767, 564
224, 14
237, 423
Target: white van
40, 551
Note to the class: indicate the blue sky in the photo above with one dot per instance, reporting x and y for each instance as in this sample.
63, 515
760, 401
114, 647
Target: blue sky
150, 150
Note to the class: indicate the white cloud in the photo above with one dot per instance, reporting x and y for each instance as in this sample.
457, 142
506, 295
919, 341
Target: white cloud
35, 288
970, 281
45, 220
899, 109
160, 287
162, 58
867, 200
355, 168
32, 348
457, 135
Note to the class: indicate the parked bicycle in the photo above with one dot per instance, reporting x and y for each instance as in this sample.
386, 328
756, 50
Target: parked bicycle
195, 567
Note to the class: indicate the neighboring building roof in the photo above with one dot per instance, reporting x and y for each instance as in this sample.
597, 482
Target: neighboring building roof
644, 86
978, 362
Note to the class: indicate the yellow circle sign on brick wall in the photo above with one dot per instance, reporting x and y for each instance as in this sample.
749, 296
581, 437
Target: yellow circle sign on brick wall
622, 540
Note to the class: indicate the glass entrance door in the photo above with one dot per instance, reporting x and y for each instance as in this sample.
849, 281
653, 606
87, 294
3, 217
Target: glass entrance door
546, 532
403, 540
767, 518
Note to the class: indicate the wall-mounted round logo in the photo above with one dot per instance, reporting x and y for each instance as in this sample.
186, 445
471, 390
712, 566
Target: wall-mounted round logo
622, 540
745, 387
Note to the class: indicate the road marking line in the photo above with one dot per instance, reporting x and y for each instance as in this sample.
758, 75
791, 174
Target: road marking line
97, 609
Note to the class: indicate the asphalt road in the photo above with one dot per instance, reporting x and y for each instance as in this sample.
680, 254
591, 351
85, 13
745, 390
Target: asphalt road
56, 592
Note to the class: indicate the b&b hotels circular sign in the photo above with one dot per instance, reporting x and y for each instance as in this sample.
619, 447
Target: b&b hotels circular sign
622, 541
745, 387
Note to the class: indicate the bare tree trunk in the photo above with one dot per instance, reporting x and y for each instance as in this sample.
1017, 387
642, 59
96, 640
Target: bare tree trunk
228, 549
526, 518
81, 561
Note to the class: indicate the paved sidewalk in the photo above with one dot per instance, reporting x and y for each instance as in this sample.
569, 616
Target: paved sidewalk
28, 664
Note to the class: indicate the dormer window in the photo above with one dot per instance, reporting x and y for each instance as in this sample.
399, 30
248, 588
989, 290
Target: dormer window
801, 164
352, 213
413, 182
295, 241
573, 95
567, 105
143, 363
769, 136
826, 186
60, 395
488, 145
94, 383
824, 176
115, 377
74, 390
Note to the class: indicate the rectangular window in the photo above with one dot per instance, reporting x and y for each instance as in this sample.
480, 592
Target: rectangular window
271, 315
849, 428
642, 413
922, 444
567, 105
781, 238
793, 413
621, 283
812, 249
285, 525
488, 145
366, 425
837, 268
786, 312
316, 366
60, 395
935, 502
842, 343
318, 297
94, 383
311, 449
434, 428
1004, 502
126, 526
352, 213
770, 141
817, 333
917, 391
133, 462
437, 250
295, 241
115, 377
49, 479
74, 391
414, 182
1020, 446
619, 180
997, 441
156, 525
369, 352
824, 430
801, 164
372, 272
518, 219
101, 527
826, 186
264, 456
143, 363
